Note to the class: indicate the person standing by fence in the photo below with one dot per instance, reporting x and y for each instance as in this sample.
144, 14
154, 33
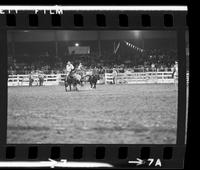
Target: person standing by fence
41, 78
175, 74
30, 80
114, 76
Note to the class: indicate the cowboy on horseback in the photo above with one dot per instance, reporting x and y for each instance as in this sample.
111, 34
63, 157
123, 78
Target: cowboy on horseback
80, 67
72, 77
80, 70
94, 77
69, 76
69, 68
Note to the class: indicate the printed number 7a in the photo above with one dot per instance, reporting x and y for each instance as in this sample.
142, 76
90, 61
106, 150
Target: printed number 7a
157, 163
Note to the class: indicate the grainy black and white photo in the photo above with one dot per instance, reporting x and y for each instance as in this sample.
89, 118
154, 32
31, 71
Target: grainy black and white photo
92, 87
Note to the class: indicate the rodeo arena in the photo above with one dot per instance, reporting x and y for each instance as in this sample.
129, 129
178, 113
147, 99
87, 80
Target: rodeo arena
92, 87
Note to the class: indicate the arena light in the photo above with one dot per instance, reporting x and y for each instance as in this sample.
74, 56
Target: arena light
137, 34
77, 44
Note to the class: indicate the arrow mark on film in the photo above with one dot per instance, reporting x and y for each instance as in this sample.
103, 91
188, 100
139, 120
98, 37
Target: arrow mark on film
138, 162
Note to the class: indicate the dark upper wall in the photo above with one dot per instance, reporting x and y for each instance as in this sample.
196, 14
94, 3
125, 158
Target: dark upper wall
62, 35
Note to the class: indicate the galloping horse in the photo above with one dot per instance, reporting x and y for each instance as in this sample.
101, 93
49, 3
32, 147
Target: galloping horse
73, 79
93, 80
79, 77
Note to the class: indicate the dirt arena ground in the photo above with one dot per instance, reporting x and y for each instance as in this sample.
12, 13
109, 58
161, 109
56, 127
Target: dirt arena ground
110, 114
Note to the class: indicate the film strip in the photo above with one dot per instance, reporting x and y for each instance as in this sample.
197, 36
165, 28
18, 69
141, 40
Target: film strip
94, 155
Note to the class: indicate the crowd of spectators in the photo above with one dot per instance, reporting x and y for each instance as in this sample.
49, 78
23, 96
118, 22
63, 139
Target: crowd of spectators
152, 60
122, 68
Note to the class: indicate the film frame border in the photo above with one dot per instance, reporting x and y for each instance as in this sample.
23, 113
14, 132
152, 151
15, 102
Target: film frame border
172, 156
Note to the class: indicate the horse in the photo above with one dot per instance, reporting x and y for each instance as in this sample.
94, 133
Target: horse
73, 79
93, 80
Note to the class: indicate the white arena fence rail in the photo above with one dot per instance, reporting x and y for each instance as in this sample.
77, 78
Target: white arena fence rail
142, 78
107, 78
23, 80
